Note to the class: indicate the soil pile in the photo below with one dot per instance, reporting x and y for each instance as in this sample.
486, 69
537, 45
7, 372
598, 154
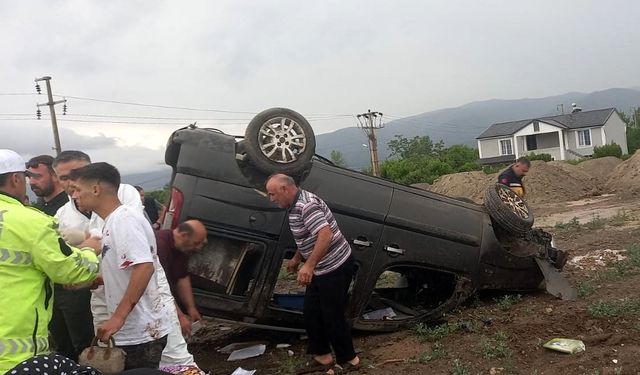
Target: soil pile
464, 184
625, 178
546, 182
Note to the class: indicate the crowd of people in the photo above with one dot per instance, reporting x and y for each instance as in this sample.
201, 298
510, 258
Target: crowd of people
87, 261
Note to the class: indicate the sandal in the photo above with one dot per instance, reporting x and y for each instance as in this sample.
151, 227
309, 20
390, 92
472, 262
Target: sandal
315, 366
348, 367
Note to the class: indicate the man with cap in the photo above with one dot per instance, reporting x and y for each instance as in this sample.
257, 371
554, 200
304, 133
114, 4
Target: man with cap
32, 256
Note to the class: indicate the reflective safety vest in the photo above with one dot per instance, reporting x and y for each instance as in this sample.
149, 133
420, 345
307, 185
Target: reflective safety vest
32, 258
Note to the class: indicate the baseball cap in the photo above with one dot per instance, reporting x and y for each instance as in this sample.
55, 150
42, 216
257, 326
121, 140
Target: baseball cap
10, 162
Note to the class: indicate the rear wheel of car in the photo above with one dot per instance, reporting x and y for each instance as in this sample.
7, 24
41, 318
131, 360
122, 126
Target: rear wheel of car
279, 140
508, 210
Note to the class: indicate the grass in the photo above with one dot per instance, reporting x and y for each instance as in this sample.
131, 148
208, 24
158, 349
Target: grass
507, 301
596, 222
459, 368
496, 346
620, 219
435, 333
633, 254
618, 308
573, 224
287, 364
585, 288
437, 352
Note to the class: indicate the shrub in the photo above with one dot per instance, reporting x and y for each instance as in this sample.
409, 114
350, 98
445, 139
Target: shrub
612, 149
546, 157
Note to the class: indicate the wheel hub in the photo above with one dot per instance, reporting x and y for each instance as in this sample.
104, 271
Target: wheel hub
513, 201
282, 139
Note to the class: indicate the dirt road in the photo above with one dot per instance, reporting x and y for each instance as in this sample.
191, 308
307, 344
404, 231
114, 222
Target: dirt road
503, 334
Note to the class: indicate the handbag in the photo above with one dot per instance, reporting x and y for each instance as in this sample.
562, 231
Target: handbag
108, 360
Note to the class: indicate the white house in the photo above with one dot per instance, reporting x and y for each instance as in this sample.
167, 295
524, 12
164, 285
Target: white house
565, 137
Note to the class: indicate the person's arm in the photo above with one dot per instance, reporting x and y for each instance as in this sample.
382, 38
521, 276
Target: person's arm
161, 212
320, 249
62, 263
140, 276
185, 293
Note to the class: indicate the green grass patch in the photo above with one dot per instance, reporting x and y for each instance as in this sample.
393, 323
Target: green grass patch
573, 224
585, 288
287, 364
610, 309
506, 302
620, 219
434, 333
437, 352
459, 368
596, 222
633, 254
496, 346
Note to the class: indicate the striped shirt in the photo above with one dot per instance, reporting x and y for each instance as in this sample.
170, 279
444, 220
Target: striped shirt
307, 216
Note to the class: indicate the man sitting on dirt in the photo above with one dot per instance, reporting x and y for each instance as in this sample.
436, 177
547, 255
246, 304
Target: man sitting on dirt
512, 176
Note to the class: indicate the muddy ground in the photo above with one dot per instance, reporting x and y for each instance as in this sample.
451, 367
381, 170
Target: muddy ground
502, 333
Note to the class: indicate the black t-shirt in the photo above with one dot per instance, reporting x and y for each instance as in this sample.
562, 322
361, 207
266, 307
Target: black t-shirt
511, 179
151, 208
50, 208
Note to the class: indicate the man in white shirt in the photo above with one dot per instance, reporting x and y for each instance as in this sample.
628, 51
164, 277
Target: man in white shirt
70, 217
139, 320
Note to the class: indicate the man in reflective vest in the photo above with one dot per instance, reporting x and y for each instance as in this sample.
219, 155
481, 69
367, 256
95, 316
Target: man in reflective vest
512, 176
32, 257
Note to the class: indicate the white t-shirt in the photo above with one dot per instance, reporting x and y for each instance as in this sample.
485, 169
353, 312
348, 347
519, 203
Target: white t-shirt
127, 240
69, 217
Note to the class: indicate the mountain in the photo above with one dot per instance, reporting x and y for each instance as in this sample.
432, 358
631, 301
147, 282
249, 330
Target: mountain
462, 124
154, 180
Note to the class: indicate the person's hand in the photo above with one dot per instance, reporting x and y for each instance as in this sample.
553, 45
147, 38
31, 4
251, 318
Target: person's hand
93, 242
185, 324
72, 236
155, 225
305, 274
292, 265
194, 314
109, 328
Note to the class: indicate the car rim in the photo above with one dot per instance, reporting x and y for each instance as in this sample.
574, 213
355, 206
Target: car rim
282, 140
514, 202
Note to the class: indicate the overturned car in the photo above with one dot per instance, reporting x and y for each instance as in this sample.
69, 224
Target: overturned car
418, 254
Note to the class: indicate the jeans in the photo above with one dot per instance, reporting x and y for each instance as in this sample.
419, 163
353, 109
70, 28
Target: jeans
71, 324
145, 355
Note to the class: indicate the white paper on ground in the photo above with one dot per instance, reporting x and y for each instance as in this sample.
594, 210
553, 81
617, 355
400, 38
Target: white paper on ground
241, 371
250, 352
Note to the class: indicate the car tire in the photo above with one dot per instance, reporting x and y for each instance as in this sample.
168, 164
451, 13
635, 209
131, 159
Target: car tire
280, 140
508, 210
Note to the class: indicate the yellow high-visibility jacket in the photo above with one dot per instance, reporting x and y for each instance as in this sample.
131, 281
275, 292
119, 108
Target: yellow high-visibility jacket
32, 258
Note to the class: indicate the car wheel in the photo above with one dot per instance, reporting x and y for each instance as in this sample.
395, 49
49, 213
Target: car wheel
280, 140
508, 210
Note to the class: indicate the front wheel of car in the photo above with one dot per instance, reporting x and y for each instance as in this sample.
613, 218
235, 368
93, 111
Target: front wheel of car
280, 140
508, 209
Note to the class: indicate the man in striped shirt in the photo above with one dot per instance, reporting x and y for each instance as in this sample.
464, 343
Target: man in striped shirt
327, 273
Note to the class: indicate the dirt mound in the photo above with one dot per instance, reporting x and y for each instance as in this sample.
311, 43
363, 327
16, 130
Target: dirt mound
464, 184
625, 178
546, 182
598, 169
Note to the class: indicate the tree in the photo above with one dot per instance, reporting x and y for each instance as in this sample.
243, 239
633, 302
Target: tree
416, 146
633, 129
337, 158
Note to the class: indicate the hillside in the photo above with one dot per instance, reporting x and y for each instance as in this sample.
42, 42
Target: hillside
462, 124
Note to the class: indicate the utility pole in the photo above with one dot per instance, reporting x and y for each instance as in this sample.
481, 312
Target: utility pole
368, 122
560, 107
51, 104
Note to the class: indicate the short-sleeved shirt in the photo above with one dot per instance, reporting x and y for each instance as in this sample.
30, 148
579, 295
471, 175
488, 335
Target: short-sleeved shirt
511, 179
174, 262
307, 216
127, 240
50, 208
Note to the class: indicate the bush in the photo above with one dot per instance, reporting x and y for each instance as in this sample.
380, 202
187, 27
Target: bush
545, 157
612, 149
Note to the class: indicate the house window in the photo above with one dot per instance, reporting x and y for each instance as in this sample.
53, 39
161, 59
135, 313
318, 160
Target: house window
536, 126
584, 138
505, 147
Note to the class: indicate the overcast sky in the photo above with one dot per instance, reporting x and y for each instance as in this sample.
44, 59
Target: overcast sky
325, 59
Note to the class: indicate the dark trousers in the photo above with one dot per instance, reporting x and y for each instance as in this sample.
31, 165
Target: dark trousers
71, 325
145, 355
325, 303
